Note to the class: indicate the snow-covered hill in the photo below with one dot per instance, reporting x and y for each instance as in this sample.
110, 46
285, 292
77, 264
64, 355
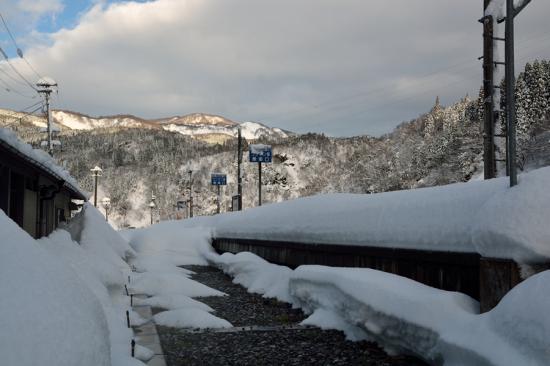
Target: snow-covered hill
199, 125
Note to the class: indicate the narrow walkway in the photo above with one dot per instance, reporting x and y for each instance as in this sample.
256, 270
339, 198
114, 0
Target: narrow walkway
267, 332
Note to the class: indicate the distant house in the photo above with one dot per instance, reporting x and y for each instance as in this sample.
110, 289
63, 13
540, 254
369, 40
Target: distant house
34, 192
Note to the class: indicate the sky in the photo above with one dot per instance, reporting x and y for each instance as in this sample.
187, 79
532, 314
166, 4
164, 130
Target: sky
339, 67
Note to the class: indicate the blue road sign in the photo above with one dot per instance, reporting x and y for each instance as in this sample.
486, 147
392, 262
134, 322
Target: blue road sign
219, 179
259, 153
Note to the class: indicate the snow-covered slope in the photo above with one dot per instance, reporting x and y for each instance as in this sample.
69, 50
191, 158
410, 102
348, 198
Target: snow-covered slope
197, 124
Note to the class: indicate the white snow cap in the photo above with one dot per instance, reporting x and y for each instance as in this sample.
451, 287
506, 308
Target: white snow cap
259, 148
46, 82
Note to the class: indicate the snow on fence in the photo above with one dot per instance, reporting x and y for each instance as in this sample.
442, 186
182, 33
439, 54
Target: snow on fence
483, 217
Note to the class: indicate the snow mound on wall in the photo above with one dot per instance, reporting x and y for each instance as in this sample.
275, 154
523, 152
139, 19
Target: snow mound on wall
47, 317
405, 316
190, 318
521, 317
485, 217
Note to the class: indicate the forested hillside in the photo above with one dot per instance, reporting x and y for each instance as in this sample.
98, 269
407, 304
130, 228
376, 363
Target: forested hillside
440, 147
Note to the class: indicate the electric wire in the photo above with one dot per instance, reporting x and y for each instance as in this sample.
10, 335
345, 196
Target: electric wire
10, 89
31, 106
19, 52
15, 70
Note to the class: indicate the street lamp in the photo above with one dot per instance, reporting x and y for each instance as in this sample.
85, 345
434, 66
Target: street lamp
152, 207
96, 172
106, 203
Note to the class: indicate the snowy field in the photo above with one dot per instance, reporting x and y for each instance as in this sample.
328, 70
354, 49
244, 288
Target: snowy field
64, 300
402, 315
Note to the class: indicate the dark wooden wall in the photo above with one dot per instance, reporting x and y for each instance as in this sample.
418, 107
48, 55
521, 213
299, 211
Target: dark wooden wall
450, 271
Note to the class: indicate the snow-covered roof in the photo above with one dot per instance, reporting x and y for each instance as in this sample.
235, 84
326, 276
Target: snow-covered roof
41, 160
485, 217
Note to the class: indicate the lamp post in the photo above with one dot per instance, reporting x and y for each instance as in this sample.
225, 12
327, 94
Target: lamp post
96, 173
106, 202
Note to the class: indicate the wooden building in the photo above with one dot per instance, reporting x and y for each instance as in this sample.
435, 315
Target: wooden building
34, 194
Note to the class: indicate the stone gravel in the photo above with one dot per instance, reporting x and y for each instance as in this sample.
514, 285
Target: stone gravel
267, 342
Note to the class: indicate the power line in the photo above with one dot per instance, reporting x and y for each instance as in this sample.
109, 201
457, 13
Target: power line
19, 52
15, 70
12, 78
31, 106
10, 89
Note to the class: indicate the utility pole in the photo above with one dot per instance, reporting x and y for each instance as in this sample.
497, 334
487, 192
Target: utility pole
489, 159
96, 173
190, 194
45, 87
239, 172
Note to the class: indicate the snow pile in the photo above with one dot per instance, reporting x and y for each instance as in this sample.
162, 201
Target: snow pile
98, 261
161, 249
190, 318
47, 315
405, 316
485, 217
402, 315
40, 157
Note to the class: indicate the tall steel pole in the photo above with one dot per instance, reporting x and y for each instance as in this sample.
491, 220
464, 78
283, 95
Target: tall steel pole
96, 175
489, 160
259, 183
219, 198
239, 172
510, 88
190, 194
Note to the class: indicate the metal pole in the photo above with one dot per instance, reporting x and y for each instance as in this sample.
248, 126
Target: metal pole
151, 215
510, 88
106, 214
48, 118
239, 173
95, 188
219, 198
190, 195
259, 183
489, 161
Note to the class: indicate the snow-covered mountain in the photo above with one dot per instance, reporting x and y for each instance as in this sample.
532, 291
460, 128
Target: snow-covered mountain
199, 125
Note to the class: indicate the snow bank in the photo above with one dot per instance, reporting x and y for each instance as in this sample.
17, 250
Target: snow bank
190, 318
402, 315
405, 316
485, 217
47, 315
97, 259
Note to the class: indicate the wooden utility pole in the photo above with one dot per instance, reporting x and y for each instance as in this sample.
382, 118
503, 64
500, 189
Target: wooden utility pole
489, 159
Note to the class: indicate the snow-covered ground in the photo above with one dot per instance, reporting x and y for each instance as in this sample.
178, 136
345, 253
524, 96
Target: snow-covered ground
64, 300
485, 217
402, 315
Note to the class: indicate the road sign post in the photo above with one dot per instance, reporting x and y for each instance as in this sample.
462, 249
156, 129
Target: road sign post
259, 153
219, 179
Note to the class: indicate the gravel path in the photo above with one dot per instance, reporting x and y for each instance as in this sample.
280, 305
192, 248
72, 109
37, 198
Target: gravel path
271, 335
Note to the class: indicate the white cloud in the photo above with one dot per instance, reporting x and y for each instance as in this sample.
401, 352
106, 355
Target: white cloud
295, 64
40, 7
